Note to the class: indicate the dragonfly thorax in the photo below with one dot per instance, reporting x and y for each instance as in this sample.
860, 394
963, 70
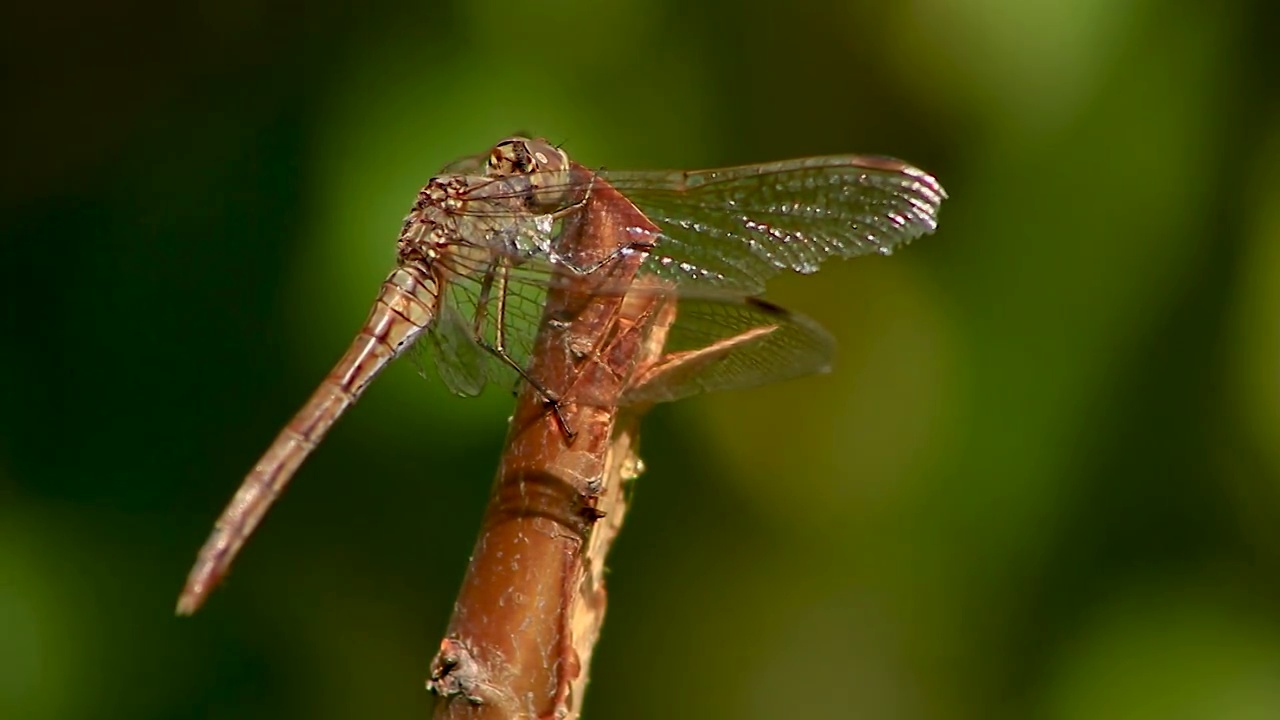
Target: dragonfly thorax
442, 194
431, 223
420, 239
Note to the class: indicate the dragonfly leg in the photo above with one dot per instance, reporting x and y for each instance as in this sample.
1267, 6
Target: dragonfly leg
550, 399
482, 304
618, 252
573, 267
564, 260
574, 206
496, 281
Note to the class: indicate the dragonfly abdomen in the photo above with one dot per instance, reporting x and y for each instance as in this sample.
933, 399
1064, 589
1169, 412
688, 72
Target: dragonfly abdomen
406, 306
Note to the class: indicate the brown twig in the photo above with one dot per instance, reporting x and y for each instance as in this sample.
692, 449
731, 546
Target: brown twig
531, 605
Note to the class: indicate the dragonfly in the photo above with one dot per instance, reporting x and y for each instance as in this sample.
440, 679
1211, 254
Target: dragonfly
478, 253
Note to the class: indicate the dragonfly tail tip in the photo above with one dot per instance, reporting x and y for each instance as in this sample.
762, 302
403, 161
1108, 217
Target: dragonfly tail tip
188, 603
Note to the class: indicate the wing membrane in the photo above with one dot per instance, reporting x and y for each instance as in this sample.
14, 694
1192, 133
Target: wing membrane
722, 234
732, 343
734, 228
743, 225
506, 316
459, 360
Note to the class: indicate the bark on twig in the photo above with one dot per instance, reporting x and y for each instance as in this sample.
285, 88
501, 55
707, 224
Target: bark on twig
531, 605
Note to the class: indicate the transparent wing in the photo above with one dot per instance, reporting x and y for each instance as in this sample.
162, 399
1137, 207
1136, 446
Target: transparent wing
460, 361
469, 165
737, 227
734, 228
731, 343
486, 305
714, 343
722, 234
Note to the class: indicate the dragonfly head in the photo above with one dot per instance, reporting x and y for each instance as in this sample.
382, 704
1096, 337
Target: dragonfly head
546, 166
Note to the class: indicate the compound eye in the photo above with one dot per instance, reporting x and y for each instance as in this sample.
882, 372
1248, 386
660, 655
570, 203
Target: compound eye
546, 157
550, 176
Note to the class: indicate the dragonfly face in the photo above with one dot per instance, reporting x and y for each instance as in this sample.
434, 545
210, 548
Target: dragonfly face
544, 165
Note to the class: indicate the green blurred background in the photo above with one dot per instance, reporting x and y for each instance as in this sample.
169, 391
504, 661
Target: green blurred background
1042, 482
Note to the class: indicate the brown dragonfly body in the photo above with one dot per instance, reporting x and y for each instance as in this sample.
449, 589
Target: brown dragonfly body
437, 234
479, 251
404, 309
